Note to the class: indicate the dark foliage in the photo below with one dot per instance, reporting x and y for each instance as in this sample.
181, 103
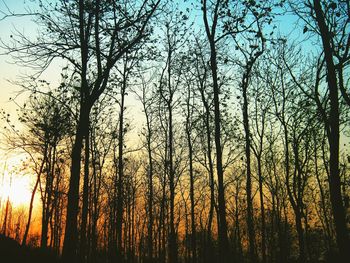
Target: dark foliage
12, 252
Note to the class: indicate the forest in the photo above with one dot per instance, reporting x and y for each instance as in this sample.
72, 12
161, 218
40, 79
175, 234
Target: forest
182, 131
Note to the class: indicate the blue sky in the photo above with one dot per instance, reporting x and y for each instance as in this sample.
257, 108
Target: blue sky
10, 71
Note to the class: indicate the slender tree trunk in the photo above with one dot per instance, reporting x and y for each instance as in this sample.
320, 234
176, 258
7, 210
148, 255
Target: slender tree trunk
333, 139
327, 230
262, 211
24, 240
44, 223
95, 199
258, 154
283, 254
7, 211
193, 219
238, 243
150, 180
173, 250
162, 223
297, 201
84, 215
150, 197
120, 207
172, 234
210, 162
209, 251
300, 231
273, 230
222, 224
190, 155
47, 198
58, 203
219, 169
250, 215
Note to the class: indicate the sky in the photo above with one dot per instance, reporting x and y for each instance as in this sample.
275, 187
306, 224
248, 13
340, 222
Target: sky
10, 72
13, 183
19, 185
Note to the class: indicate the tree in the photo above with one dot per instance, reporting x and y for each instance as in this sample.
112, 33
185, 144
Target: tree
234, 154
259, 122
332, 126
46, 123
74, 33
201, 75
189, 113
147, 100
330, 22
169, 84
211, 36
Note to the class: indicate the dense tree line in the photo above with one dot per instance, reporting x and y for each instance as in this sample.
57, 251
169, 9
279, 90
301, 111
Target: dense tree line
233, 154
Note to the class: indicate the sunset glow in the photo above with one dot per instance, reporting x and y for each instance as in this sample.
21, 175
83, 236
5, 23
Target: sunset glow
17, 188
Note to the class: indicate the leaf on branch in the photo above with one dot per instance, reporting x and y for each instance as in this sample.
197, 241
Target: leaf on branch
305, 29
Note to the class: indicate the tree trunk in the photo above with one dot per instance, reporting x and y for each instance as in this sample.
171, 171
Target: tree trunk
300, 231
250, 215
84, 215
262, 211
190, 155
47, 198
150, 189
327, 229
333, 139
69, 253
24, 240
210, 163
172, 234
222, 224
95, 198
120, 206
7, 212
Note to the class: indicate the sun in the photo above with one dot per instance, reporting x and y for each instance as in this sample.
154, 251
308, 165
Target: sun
16, 189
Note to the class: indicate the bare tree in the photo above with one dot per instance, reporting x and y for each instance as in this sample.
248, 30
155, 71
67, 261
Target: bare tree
74, 31
213, 12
